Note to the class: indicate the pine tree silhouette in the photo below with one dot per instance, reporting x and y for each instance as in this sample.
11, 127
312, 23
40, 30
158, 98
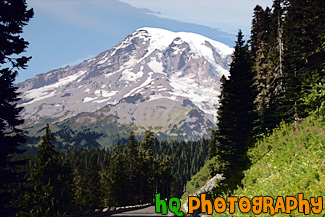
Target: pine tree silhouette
14, 15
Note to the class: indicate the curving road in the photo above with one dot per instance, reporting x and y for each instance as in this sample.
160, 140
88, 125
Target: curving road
145, 212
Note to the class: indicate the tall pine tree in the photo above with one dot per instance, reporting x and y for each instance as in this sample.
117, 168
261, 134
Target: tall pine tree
303, 29
146, 164
79, 186
132, 168
117, 179
50, 183
92, 181
267, 51
14, 15
162, 176
236, 114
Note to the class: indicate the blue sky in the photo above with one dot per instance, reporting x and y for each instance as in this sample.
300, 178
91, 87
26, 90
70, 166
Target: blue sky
65, 32
227, 15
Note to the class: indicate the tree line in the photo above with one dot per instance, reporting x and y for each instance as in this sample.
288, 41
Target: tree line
86, 179
81, 179
277, 75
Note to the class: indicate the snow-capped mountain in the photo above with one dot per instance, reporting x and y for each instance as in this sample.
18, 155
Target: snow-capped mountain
154, 79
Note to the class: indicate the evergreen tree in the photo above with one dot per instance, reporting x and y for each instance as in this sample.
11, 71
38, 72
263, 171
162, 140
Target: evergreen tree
163, 176
79, 186
49, 182
118, 183
14, 15
212, 144
236, 114
260, 29
92, 180
267, 54
66, 181
104, 182
146, 168
132, 170
186, 159
314, 99
302, 31
272, 114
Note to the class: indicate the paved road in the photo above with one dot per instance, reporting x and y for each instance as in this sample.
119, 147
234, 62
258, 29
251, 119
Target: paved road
145, 212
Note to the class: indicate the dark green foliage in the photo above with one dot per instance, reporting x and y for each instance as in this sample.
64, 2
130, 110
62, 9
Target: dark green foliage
288, 60
66, 181
120, 175
132, 168
266, 51
286, 45
92, 184
186, 159
314, 96
116, 178
79, 187
163, 176
213, 145
303, 30
260, 33
14, 15
146, 168
236, 114
50, 182
89, 163
68, 137
113, 176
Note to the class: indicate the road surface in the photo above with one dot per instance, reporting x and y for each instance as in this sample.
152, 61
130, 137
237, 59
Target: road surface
145, 212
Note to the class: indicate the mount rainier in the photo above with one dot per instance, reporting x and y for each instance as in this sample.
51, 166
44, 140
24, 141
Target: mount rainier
155, 79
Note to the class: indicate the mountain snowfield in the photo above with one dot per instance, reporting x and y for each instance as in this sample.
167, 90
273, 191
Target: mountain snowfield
154, 79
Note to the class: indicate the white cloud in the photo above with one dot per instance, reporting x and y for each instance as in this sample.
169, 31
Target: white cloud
228, 15
77, 61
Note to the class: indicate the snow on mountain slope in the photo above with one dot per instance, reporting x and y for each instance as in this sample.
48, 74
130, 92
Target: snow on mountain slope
160, 39
166, 71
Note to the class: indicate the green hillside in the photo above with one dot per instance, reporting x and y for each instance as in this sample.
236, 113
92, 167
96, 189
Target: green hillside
287, 162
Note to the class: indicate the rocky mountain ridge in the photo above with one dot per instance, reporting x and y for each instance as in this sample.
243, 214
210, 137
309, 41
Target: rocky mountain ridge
154, 79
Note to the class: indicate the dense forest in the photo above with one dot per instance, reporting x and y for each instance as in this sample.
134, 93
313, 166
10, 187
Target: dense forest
82, 179
276, 76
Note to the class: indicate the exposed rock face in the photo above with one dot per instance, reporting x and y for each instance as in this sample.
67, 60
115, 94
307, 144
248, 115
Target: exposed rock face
154, 78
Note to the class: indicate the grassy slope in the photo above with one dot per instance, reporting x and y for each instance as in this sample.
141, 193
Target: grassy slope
289, 161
